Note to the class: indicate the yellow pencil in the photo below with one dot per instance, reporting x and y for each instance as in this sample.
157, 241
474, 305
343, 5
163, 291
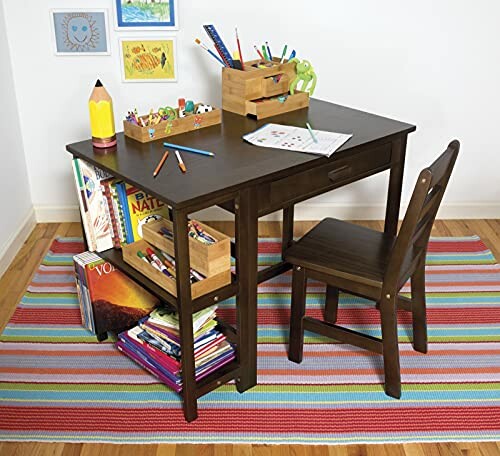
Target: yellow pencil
102, 121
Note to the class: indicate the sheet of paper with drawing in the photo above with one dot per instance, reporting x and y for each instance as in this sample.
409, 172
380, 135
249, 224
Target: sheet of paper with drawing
297, 139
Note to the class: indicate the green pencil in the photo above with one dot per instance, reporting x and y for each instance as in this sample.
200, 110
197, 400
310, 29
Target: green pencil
313, 136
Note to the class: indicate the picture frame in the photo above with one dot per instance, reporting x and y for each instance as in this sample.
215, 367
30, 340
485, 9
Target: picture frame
144, 15
148, 59
80, 31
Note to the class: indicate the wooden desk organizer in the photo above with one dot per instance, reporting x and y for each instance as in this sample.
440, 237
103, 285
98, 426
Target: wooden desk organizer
213, 261
178, 126
257, 92
207, 259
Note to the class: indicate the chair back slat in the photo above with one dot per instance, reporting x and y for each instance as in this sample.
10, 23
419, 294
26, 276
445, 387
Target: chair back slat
417, 224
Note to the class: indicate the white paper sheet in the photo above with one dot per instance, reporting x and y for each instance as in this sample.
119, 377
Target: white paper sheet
297, 139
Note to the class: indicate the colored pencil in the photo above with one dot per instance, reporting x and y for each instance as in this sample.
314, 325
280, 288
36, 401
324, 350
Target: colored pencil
264, 51
313, 136
292, 55
182, 166
239, 49
189, 149
215, 56
160, 164
258, 52
269, 51
283, 54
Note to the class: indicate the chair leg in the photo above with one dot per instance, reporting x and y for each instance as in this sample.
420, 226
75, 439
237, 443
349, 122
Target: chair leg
331, 304
296, 341
418, 307
389, 321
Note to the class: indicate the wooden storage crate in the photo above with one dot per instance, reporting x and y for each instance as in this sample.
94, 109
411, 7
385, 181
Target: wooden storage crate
207, 259
198, 289
255, 91
178, 126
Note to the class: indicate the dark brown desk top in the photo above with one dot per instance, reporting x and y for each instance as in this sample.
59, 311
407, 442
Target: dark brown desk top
237, 163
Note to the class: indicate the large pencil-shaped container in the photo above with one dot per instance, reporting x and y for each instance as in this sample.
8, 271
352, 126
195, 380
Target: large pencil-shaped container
102, 121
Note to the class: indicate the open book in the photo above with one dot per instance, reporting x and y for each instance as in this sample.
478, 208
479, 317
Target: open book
297, 139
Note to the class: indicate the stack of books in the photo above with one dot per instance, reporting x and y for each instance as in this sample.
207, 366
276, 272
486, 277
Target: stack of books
155, 345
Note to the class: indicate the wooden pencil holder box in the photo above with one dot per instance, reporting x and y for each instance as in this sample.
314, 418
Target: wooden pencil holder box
207, 259
198, 289
261, 92
167, 128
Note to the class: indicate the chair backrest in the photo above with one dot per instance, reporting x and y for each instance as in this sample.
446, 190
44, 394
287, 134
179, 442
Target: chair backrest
415, 230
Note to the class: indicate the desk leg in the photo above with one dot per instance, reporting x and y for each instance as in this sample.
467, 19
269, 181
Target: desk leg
395, 185
287, 237
185, 307
246, 301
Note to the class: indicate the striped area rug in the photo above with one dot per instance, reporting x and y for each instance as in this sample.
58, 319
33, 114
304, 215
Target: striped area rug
58, 384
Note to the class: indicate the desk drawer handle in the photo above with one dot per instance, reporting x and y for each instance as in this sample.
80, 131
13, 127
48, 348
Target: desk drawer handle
333, 175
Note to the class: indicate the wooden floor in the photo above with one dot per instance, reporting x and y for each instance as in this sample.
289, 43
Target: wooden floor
15, 280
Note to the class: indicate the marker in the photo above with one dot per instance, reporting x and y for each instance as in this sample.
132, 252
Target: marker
239, 48
197, 276
269, 51
197, 41
142, 256
264, 51
167, 233
292, 55
189, 149
182, 166
283, 54
156, 261
313, 136
258, 52
160, 164
145, 258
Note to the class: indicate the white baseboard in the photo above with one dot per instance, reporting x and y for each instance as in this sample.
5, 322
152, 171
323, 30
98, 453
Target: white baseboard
16, 241
304, 211
57, 214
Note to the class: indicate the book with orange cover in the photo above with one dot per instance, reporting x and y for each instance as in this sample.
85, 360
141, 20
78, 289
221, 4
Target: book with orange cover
117, 301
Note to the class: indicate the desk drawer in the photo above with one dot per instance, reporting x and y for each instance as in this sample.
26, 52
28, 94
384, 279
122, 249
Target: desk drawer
333, 174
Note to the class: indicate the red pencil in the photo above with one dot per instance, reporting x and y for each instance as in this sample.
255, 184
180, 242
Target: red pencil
239, 49
258, 52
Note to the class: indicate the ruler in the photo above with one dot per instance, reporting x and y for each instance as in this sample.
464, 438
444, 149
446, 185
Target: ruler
219, 45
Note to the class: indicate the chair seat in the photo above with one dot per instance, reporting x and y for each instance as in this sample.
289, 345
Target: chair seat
344, 250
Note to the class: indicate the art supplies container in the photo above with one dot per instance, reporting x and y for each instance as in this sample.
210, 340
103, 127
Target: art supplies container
208, 284
261, 92
166, 128
207, 259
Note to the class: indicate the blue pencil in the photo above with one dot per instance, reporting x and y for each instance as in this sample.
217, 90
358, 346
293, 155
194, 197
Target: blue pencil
269, 51
292, 55
189, 149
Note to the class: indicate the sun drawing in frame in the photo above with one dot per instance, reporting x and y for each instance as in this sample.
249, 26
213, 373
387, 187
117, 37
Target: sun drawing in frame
80, 32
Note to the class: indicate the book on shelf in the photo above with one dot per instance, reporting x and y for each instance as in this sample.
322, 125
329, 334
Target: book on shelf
109, 300
113, 212
155, 345
93, 205
139, 208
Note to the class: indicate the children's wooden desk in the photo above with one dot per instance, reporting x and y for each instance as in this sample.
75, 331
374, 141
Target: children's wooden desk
250, 182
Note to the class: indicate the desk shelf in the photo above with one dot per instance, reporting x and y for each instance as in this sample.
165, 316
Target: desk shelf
114, 256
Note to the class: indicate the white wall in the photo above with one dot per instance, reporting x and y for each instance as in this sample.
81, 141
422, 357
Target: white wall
434, 64
17, 217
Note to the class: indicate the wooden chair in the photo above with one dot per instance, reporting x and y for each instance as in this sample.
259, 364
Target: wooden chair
374, 265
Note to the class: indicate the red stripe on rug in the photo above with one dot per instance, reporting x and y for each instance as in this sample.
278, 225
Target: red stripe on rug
365, 316
304, 421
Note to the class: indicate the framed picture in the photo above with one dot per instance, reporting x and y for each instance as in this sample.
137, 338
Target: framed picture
80, 31
148, 59
146, 14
